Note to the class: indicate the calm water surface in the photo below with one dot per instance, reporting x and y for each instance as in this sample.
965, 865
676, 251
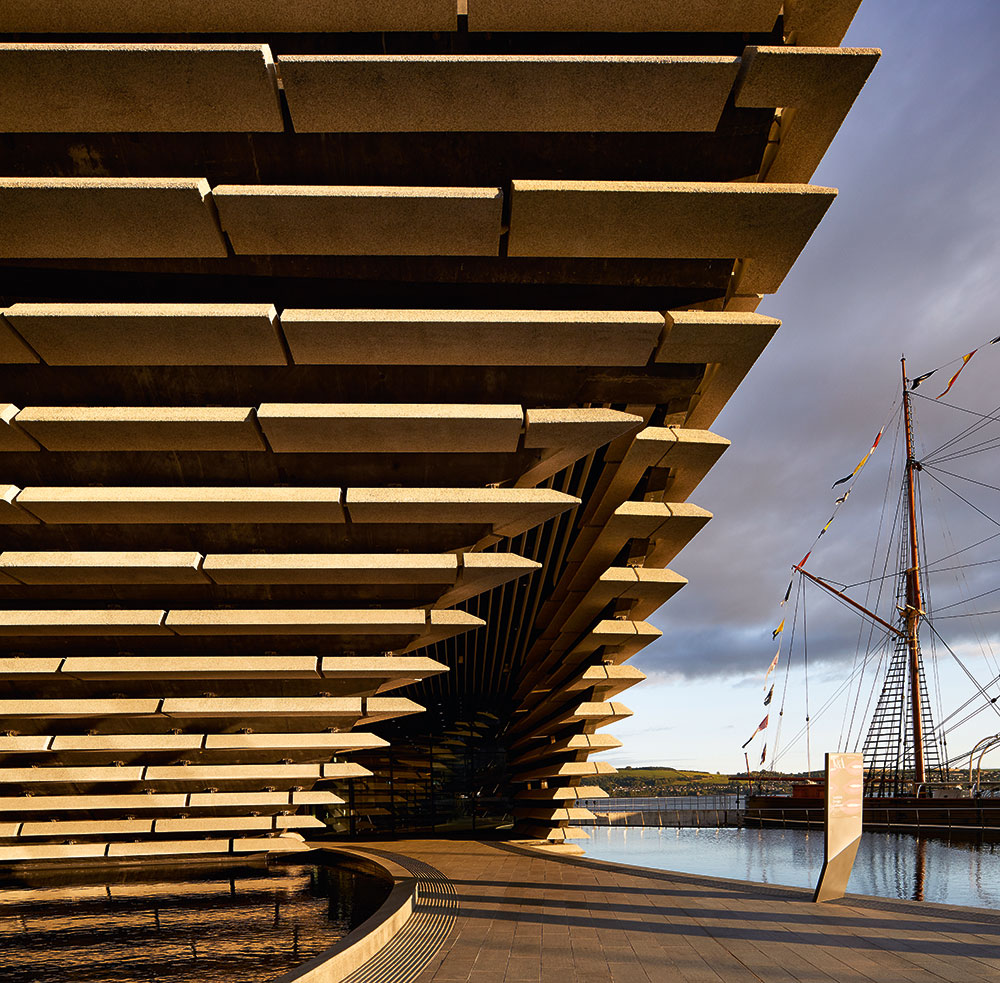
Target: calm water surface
889, 865
187, 925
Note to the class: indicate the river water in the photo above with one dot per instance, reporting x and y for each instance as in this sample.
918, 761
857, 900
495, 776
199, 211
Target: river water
889, 865
189, 924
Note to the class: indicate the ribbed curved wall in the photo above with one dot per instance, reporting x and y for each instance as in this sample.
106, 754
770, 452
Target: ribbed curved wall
359, 363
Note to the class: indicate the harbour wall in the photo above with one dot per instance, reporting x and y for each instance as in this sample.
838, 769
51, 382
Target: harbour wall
676, 811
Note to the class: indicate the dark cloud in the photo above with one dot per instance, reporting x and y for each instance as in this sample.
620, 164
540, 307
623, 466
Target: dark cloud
904, 261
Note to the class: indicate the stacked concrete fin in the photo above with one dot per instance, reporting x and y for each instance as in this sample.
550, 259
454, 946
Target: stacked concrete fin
361, 360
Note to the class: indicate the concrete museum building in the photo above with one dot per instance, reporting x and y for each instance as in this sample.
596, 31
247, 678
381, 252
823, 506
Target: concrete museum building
359, 364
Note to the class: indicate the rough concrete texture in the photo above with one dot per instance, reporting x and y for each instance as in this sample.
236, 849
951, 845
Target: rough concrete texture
622, 15
384, 428
91, 88
360, 221
330, 568
590, 93
150, 334
12, 436
818, 22
500, 507
224, 16
77, 504
190, 667
11, 513
107, 217
768, 224
81, 622
591, 426
142, 428
102, 567
13, 350
728, 343
292, 622
819, 84
471, 337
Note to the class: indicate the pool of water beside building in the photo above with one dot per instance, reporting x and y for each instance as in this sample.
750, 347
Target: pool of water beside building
890, 865
181, 925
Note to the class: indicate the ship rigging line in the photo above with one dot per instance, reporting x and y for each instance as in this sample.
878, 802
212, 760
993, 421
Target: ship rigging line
981, 419
853, 704
927, 567
972, 679
951, 474
971, 699
975, 508
966, 600
869, 656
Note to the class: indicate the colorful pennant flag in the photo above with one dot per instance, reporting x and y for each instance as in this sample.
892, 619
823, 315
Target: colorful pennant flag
788, 593
864, 460
761, 726
921, 378
772, 666
995, 340
777, 631
965, 362
763, 755
843, 498
802, 562
770, 693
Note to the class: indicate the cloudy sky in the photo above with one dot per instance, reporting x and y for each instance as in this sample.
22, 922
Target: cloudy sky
906, 260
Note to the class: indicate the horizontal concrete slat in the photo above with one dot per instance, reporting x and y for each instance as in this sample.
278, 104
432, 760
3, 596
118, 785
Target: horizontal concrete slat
729, 342
165, 801
12, 514
303, 621
391, 427
820, 84
504, 508
13, 350
131, 505
96, 88
623, 15
224, 16
471, 337
223, 707
108, 218
12, 436
332, 220
142, 428
330, 568
589, 93
187, 667
96, 743
768, 224
150, 334
82, 622
43, 568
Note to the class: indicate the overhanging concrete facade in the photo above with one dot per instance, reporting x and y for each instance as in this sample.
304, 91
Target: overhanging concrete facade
359, 362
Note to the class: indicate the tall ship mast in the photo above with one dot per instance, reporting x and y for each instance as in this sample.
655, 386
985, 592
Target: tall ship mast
905, 753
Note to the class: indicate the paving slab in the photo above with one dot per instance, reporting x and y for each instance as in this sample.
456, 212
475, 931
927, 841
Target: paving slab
520, 914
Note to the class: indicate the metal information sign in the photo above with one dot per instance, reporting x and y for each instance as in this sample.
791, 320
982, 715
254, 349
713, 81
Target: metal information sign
844, 792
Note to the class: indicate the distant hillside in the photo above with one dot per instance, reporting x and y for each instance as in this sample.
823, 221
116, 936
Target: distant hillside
649, 780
